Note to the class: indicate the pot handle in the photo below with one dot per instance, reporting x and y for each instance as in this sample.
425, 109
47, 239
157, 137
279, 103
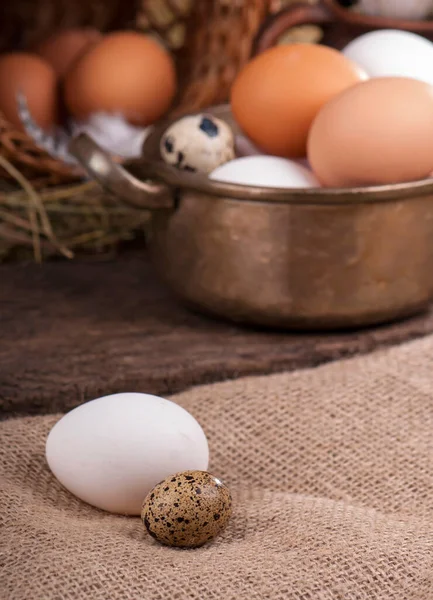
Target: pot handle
292, 16
116, 179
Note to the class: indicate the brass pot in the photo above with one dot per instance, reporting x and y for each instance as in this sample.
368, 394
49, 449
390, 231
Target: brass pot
300, 259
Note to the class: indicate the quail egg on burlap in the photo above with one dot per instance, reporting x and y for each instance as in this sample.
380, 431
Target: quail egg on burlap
187, 510
198, 143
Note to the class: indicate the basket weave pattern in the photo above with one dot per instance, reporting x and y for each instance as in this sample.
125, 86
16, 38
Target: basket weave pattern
210, 40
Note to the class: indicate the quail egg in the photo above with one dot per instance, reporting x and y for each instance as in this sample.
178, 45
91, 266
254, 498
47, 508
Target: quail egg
198, 143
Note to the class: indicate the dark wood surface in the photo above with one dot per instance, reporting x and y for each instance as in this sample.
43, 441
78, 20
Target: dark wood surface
73, 331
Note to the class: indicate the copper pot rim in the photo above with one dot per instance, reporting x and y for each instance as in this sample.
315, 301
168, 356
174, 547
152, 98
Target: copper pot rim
176, 179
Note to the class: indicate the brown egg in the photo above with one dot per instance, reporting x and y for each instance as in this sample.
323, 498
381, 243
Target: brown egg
63, 48
127, 73
36, 79
378, 132
276, 97
187, 510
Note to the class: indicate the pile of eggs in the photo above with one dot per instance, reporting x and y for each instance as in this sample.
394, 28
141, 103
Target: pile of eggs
310, 115
313, 116
78, 73
138, 454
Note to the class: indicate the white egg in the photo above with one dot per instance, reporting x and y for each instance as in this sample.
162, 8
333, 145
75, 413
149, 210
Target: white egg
265, 171
392, 53
396, 9
112, 451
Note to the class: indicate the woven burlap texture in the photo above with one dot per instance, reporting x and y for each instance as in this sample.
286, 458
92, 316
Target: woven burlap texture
331, 471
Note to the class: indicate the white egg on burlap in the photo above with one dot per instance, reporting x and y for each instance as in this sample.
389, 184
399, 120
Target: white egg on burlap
110, 452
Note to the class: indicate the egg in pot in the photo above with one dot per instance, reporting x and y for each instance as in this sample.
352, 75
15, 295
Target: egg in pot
199, 142
393, 53
276, 97
265, 171
378, 132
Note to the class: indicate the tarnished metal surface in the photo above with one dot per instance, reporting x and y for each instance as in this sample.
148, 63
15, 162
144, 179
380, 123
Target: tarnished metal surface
299, 259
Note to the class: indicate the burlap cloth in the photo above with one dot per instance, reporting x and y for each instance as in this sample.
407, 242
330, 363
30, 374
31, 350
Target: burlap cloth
332, 475
73, 331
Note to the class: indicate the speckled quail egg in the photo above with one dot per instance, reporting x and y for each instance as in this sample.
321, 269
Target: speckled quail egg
198, 143
187, 510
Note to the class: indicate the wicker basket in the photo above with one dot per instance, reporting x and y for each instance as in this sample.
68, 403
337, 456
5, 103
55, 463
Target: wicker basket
44, 209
